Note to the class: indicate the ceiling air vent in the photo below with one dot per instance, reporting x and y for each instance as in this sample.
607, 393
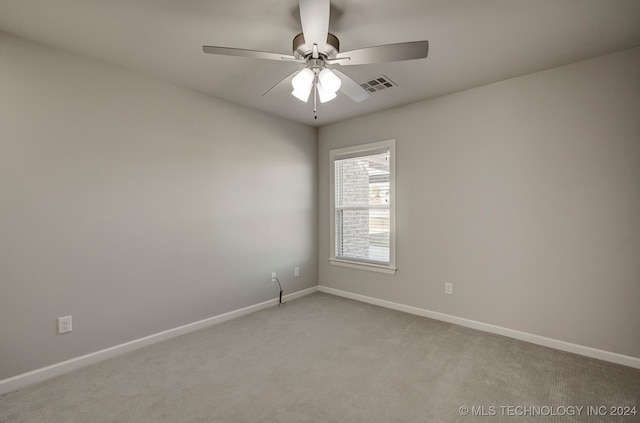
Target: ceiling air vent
378, 84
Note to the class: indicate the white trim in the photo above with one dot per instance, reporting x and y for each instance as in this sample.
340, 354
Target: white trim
364, 266
22, 380
355, 151
612, 357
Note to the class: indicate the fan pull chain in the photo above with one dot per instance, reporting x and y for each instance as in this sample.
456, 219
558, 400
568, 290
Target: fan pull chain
315, 99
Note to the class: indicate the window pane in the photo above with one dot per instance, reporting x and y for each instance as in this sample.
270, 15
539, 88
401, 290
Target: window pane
362, 198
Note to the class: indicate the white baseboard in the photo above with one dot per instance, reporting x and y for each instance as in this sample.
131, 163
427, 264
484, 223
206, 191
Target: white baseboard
612, 357
22, 380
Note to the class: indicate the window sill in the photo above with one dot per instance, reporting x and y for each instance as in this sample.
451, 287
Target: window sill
364, 266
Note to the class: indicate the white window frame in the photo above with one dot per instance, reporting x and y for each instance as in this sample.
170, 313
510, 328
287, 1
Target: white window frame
355, 151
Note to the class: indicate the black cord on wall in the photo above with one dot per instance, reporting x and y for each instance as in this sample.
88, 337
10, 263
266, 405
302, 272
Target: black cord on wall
279, 286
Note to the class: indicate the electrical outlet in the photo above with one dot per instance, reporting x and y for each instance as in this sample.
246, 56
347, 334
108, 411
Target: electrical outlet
448, 288
273, 275
64, 324
296, 272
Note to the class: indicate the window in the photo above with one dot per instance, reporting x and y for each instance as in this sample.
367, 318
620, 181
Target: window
363, 206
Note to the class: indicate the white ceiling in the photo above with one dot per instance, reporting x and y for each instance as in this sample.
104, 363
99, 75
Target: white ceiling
472, 42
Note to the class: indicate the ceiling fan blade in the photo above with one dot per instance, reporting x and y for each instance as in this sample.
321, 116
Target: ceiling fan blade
387, 53
351, 88
286, 81
314, 17
227, 51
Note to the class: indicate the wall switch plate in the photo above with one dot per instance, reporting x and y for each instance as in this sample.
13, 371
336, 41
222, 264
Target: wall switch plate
64, 324
296, 272
448, 288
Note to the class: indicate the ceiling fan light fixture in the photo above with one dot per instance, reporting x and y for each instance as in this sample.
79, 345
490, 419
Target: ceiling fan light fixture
329, 80
317, 48
325, 94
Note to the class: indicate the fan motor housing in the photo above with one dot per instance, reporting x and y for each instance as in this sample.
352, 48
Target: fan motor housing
302, 52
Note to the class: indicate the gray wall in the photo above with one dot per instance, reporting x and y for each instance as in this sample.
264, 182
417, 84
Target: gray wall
525, 194
137, 206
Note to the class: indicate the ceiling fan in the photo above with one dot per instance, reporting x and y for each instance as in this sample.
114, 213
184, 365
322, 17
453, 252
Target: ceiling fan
319, 50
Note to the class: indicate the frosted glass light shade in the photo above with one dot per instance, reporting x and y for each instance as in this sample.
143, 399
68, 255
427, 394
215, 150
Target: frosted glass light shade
329, 80
303, 80
324, 94
302, 94
302, 84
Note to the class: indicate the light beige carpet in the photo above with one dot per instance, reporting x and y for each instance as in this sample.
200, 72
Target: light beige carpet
323, 358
